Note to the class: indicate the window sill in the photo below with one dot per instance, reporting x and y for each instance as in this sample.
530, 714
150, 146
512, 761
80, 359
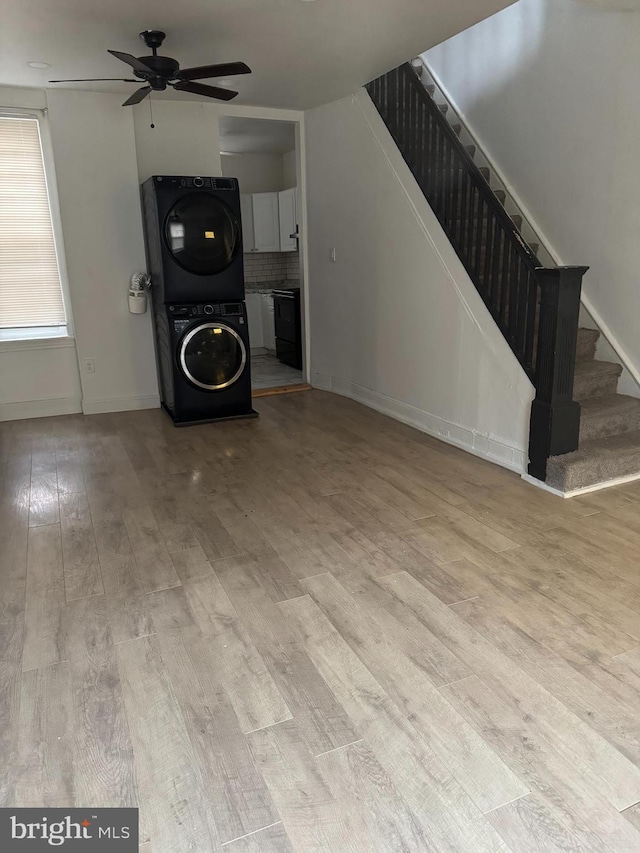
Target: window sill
31, 342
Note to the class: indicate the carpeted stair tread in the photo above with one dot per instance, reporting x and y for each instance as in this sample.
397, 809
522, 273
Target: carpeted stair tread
587, 339
595, 379
596, 461
613, 414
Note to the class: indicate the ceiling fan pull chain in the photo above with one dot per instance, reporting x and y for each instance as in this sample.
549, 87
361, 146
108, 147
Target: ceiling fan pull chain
152, 125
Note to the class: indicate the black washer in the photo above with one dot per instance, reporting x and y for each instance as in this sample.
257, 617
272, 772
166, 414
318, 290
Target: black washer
212, 356
205, 369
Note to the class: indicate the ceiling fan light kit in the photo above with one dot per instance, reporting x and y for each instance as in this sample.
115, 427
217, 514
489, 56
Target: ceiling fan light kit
158, 72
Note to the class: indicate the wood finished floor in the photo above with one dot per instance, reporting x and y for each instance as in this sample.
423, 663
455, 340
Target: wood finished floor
317, 631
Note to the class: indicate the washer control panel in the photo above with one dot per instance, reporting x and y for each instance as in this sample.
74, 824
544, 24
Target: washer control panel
183, 315
208, 309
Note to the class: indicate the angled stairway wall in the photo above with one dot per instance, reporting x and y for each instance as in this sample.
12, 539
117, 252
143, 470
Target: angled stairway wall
608, 446
395, 321
549, 89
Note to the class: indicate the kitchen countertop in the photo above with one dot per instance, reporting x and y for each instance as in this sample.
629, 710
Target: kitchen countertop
273, 285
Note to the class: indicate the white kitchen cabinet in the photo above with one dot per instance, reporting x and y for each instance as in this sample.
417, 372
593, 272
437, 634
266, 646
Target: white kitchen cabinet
266, 228
253, 302
246, 214
288, 219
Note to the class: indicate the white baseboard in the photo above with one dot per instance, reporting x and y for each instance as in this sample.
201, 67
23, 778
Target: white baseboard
49, 407
585, 490
120, 404
484, 446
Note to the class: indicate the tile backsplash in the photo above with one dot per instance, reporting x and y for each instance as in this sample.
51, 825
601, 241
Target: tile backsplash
269, 268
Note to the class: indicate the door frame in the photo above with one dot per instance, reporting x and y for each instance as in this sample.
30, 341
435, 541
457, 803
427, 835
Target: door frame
295, 117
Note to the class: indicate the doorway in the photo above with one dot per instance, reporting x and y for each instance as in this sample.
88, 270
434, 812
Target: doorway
263, 154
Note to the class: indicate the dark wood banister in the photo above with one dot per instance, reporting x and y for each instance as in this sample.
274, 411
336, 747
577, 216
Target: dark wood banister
483, 187
536, 308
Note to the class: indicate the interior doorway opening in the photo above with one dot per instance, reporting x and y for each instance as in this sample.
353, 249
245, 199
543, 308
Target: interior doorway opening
264, 155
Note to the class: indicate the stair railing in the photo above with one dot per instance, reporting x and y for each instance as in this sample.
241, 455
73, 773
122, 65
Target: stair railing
535, 308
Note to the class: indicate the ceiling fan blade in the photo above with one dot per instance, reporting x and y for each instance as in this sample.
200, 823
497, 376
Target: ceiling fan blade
208, 91
223, 69
138, 95
98, 80
135, 63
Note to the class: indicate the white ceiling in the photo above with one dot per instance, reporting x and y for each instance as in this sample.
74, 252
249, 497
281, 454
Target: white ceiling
255, 136
302, 53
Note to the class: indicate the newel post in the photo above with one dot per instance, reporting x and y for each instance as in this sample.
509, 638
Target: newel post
555, 416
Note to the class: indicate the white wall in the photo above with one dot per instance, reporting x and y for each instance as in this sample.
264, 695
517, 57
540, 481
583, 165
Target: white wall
289, 167
184, 141
256, 173
550, 89
395, 321
37, 378
102, 152
95, 157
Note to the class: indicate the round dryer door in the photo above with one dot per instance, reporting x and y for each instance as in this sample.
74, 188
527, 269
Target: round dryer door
202, 233
212, 356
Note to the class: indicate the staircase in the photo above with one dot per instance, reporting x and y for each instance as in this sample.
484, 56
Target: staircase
534, 302
609, 443
609, 437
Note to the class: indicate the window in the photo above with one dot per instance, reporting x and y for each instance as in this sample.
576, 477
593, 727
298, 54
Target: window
31, 302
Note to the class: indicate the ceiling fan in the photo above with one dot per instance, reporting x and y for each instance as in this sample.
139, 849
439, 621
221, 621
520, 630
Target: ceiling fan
158, 72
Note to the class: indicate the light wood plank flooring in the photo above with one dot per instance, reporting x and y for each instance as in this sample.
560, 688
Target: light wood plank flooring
316, 631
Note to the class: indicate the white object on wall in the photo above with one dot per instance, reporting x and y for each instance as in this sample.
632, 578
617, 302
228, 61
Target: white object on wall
140, 283
137, 301
288, 219
398, 324
254, 321
266, 230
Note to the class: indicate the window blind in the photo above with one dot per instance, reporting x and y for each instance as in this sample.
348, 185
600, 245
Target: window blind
30, 291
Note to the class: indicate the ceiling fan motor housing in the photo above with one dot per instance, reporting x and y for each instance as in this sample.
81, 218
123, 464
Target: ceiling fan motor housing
163, 67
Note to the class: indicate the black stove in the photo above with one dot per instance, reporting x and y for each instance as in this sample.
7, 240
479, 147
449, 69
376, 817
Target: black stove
286, 309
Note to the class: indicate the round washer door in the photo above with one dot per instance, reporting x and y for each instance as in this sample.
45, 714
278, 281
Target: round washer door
212, 356
202, 233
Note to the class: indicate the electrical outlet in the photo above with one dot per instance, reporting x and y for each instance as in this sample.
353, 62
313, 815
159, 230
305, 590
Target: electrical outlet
89, 365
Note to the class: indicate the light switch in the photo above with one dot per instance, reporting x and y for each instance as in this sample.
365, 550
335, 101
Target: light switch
332, 254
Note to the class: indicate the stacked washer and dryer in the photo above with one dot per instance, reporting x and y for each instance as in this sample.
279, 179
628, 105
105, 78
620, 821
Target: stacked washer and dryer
194, 252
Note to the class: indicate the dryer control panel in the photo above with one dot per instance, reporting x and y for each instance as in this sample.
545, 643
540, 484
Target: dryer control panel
166, 181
